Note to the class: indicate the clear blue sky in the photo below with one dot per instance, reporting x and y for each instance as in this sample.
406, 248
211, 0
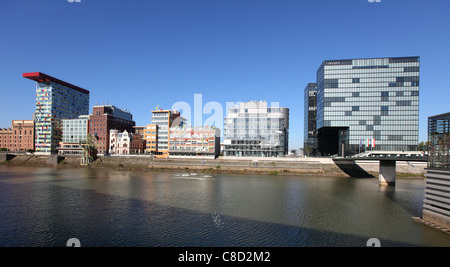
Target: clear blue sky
138, 54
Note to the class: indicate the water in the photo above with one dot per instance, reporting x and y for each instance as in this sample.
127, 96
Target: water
46, 207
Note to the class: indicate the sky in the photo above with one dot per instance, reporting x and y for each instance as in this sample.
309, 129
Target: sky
138, 54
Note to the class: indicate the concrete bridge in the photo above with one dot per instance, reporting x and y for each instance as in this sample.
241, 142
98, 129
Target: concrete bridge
387, 167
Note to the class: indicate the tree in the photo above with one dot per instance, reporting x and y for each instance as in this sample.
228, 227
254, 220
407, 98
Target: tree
307, 150
423, 146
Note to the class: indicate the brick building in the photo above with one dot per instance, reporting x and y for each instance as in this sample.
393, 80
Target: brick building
107, 117
18, 138
138, 143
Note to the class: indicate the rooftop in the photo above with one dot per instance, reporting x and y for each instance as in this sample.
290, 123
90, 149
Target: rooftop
41, 77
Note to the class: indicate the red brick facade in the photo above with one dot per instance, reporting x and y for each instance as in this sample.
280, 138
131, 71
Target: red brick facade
19, 138
104, 119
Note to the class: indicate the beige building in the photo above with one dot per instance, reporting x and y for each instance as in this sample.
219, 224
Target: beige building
19, 137
156, 134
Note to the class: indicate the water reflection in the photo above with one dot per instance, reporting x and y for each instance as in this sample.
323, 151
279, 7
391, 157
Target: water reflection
45, 207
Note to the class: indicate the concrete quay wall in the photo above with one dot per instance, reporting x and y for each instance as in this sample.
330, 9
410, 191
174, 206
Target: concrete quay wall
299, 165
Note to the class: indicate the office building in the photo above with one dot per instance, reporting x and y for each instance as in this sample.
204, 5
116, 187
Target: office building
55, 100
18, 138
105, 118
368, 104
310, 112
157, 133
253, 129
437, 187
198, 141
74, 134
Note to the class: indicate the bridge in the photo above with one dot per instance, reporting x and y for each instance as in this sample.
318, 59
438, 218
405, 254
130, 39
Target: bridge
387, 168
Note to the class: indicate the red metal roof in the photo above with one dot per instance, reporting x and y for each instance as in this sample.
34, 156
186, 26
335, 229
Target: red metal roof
41, 77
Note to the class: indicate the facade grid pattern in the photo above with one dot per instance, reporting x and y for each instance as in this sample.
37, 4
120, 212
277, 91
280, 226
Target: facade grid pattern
371, 99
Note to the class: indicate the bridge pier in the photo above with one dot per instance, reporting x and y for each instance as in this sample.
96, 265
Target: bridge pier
387, 172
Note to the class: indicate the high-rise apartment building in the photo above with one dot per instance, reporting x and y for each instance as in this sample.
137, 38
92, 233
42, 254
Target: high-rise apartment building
310, 112
55, 100
255, 129
105, 118
368, 104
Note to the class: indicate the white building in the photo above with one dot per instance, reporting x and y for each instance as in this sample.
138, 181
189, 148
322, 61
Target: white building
74, 133
253, 129
119, 143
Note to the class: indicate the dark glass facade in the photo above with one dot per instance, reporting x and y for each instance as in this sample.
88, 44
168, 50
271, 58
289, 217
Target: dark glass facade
310, 113
368, 104
439, 141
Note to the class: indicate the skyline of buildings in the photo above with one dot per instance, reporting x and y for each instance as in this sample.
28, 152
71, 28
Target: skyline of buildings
355, 104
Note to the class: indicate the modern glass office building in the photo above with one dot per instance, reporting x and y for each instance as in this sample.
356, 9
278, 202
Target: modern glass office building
437, 185
368, 104
310, 113
439, 141
75, 130
253, 129
55, 100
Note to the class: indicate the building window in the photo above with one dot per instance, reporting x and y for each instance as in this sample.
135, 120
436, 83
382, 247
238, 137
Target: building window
403, 103
384, 110
355, 80
355, 108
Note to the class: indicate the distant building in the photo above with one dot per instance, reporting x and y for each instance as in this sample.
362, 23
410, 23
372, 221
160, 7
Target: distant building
157, 133
105, 118
190, 141
310, 112
253, 129
6, 138
368, 104
138, 143
119, 142
18, 138
74, 133
55, 100
437, 188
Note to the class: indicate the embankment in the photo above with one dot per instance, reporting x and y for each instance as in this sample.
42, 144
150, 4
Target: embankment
279, 166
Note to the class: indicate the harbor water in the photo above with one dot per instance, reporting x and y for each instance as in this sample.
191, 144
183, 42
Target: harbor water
48, 206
